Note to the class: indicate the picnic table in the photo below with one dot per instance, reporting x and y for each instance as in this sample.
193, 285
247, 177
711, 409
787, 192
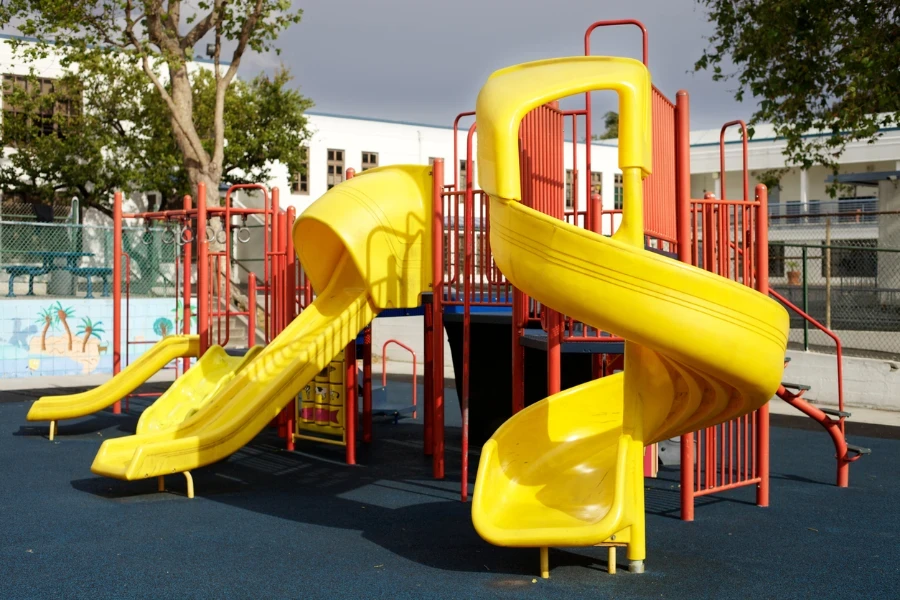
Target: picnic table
52, 261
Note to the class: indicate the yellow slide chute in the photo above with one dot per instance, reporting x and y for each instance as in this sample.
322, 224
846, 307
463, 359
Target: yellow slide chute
365, 246
72, 406
700, 349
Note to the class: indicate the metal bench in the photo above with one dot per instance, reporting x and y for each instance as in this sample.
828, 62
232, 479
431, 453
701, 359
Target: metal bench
31, 271
88, 272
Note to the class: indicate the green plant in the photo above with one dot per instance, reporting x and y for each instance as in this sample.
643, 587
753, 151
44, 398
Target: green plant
792, 265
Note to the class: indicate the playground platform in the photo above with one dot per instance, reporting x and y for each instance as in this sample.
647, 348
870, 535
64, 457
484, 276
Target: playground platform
269, 523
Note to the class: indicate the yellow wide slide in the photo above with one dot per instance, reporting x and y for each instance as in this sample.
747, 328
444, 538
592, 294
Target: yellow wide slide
193, 390
71, 406
700, 349
365, 246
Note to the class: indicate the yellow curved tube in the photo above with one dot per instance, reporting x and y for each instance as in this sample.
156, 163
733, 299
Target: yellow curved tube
71, 406
700, 349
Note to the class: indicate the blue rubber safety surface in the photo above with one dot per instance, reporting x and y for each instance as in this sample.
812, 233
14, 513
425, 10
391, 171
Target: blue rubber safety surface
271, 524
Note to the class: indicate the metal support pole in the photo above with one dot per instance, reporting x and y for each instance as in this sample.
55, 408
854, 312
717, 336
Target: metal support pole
202, 270
437, 265
351, 408
187, 249
117, 291
762, 286
804, 256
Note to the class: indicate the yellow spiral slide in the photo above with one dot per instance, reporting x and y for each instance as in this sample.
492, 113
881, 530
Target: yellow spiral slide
365, 245
700, 349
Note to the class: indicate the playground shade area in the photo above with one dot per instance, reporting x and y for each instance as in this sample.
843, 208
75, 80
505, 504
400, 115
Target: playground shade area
276, 524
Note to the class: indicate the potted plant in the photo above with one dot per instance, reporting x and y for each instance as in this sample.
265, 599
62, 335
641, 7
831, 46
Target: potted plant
793, 272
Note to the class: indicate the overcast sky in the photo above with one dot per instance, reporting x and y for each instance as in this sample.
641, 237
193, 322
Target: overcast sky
425, 60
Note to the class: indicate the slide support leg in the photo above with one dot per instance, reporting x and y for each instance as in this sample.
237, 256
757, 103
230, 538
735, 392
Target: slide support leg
190, 484
52, 430
545, 562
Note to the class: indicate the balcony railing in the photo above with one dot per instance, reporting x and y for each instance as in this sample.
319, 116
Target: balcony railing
815, 212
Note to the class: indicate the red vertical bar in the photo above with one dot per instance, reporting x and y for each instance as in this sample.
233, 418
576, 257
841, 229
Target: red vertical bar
429, 373
468, 274
187, 250
520, 315
117, 290
202, 270
683, 237
351, 408
437, 264
762, 285
367, 384
251, 310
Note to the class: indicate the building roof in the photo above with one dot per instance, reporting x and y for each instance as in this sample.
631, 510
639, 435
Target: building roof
868, 178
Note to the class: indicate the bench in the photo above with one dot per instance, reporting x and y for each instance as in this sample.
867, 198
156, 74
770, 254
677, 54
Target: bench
88, 272
31, 271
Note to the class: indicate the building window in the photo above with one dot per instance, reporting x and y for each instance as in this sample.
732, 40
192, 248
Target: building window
36, 107
618, 192
776, 260
369, 160
335, 167
300, 180
570, 200
462, 175
596, 183
848, 261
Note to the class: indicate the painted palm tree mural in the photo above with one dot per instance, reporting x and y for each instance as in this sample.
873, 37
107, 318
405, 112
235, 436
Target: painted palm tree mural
89, 329
64, 314
163, 327
47, 317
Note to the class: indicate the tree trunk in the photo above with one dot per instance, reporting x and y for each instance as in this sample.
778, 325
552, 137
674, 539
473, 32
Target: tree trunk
68, 331
87, 336
44, 334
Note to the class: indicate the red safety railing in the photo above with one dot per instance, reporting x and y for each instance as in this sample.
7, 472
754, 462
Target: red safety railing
729, 238
415, 384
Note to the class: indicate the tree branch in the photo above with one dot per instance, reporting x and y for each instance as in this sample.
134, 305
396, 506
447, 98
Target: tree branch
204, 25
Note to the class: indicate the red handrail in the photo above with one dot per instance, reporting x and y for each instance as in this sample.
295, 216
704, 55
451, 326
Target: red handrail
829, 333
384, 369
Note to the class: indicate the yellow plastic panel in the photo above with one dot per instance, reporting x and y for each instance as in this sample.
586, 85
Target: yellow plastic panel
191, 392
54, 408
382, 217
511, 93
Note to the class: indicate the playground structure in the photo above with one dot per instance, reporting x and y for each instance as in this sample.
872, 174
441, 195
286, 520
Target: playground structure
368, 249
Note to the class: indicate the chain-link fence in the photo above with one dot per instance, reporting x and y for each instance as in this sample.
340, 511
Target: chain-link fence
66, 260
840, 263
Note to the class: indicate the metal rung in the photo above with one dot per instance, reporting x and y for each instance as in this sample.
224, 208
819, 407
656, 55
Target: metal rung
858, 449
796, 386
835, 412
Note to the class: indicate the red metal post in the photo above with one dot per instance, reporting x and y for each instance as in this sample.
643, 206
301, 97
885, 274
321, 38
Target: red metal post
554, 351
367, 384
468, 275
117, 290
683, 229
762, 285
437, 266
187, 249
251, 310
429, 379
351, 409
202, 270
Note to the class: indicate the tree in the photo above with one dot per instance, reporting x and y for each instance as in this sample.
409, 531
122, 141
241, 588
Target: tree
47, 317
161, 37
611, 123
829, 67
114, 134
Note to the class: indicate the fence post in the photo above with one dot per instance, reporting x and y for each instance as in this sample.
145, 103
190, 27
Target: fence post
828, 273
805, 255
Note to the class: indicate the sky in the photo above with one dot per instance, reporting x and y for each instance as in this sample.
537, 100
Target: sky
425, 60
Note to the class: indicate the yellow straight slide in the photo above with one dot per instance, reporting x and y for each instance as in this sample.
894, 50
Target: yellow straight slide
193, 390
55, 408
700, 349
365, 246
